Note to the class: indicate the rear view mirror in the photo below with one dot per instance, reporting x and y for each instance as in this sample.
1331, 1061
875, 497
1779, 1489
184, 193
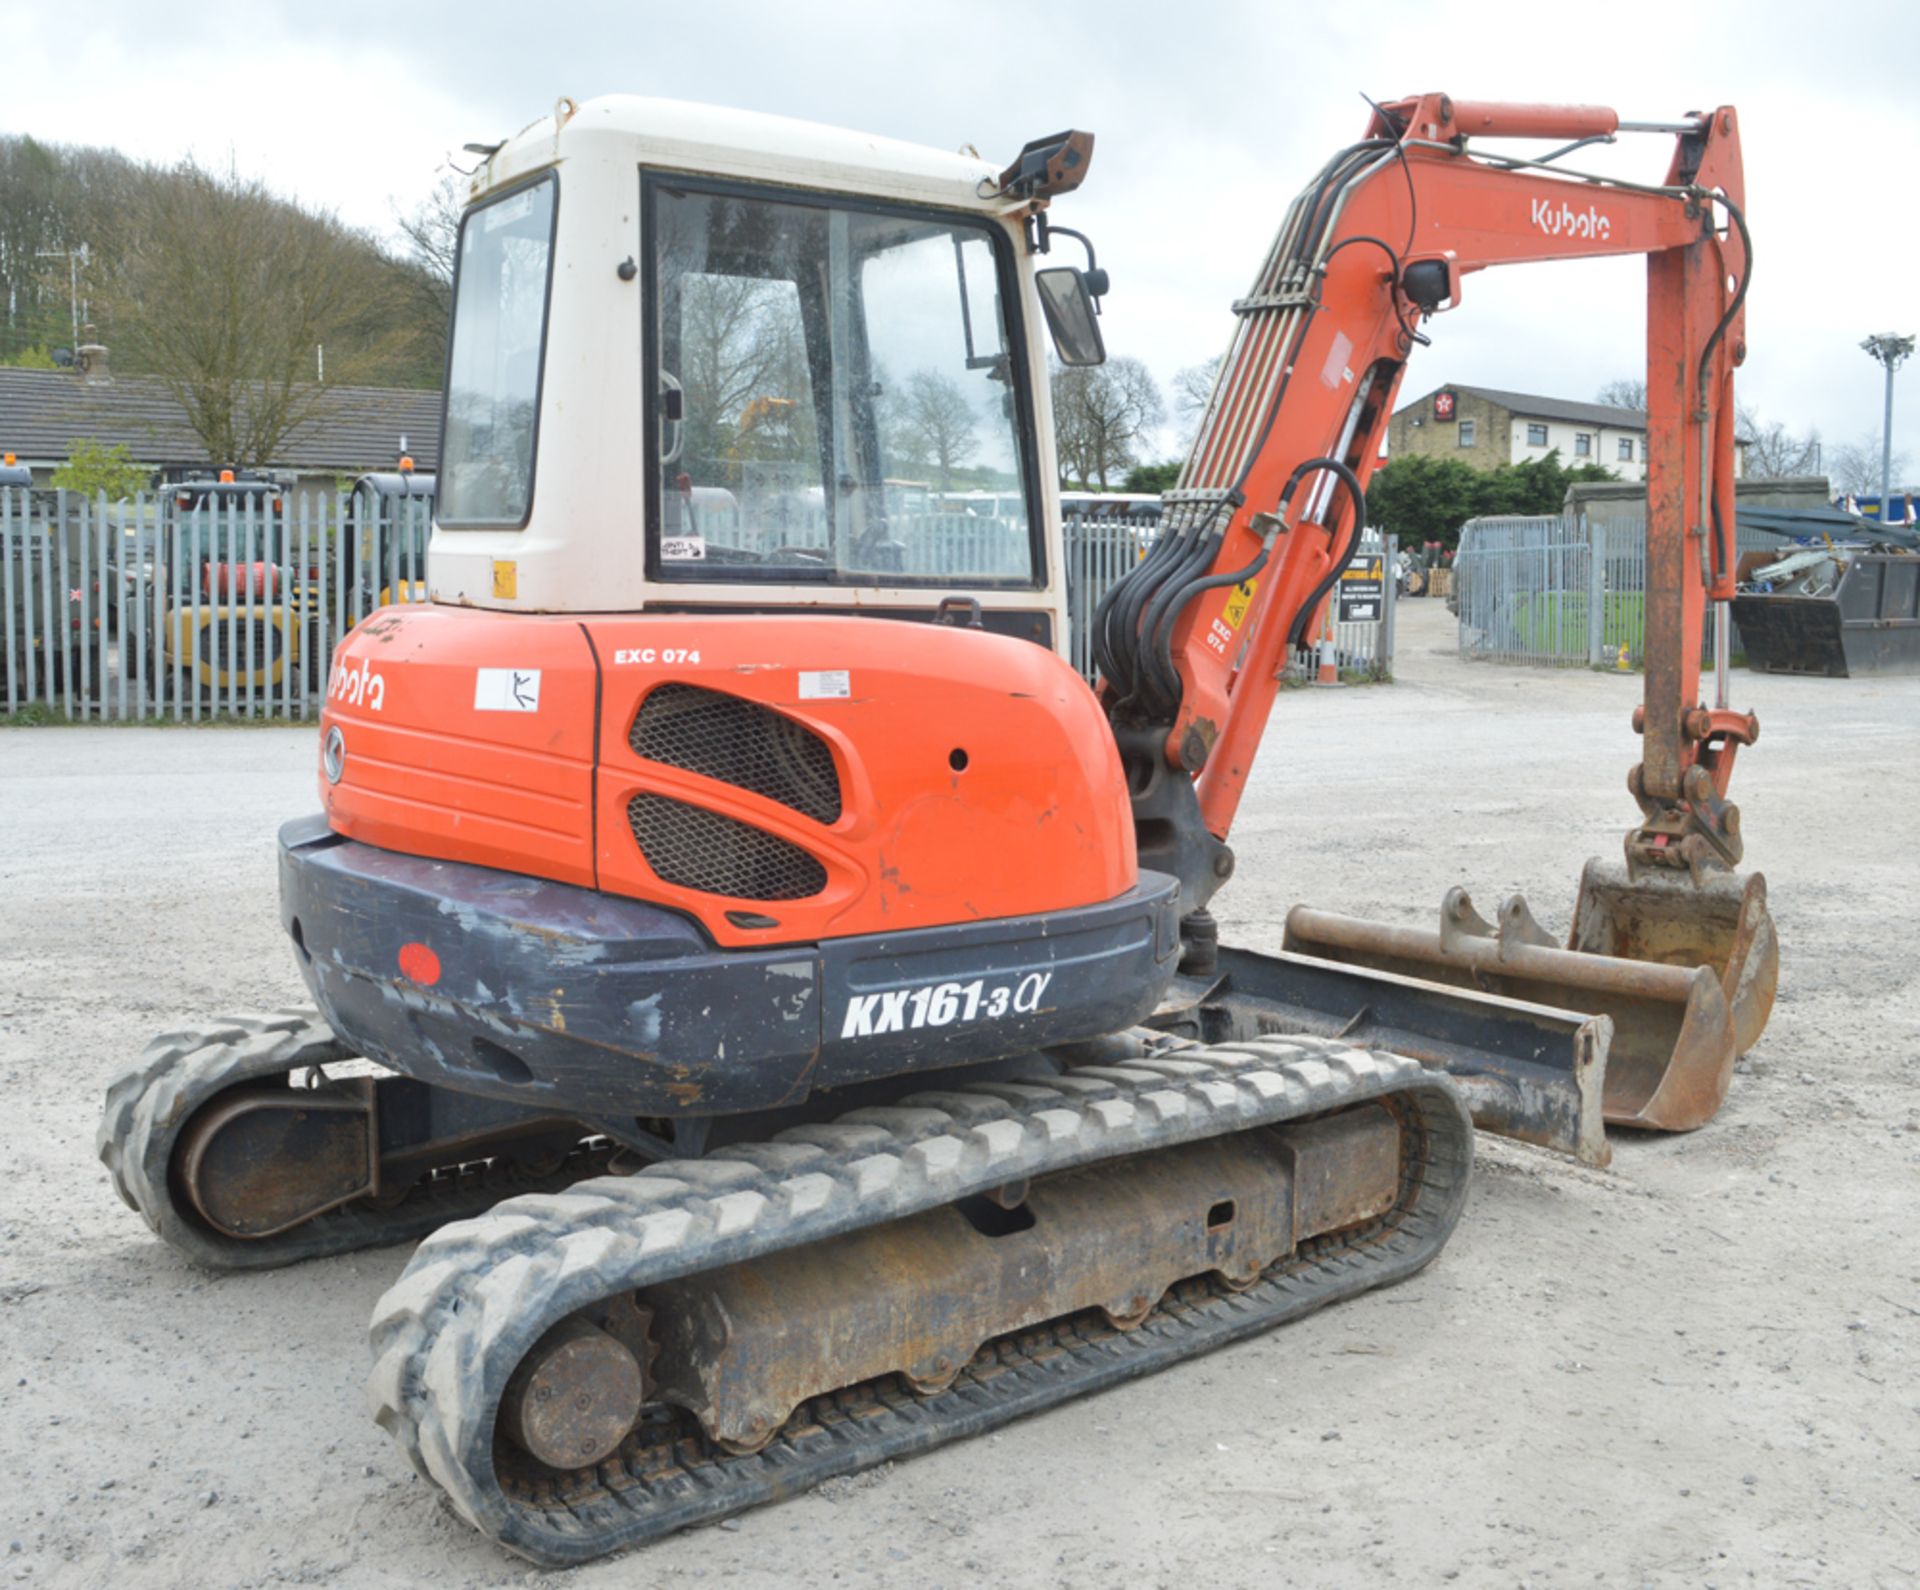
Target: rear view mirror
1069, 310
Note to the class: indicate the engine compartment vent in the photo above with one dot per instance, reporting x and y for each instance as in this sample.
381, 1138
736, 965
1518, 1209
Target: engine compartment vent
697, 849
739, 742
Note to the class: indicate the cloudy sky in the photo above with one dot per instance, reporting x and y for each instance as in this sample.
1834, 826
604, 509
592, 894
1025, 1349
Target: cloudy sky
1209, 117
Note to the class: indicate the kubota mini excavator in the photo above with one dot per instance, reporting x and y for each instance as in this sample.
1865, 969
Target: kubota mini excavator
725, 859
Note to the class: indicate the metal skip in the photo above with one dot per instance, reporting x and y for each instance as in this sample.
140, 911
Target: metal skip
1686, 972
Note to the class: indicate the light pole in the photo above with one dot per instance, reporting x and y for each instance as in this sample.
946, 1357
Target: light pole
1891, 351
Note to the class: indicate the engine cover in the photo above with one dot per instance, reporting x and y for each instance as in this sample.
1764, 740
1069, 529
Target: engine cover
782, 778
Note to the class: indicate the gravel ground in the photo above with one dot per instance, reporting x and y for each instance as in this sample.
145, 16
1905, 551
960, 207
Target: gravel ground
1695, 1368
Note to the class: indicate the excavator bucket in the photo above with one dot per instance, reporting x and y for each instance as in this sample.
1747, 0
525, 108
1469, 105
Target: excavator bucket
1686, 971
1721, 922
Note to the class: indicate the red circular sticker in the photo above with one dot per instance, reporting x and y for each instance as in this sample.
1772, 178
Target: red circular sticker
420, 964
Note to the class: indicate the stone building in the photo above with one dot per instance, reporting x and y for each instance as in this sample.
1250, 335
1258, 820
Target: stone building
1486, 428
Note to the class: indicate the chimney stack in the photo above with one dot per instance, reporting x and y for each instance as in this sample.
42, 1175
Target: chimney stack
91, 361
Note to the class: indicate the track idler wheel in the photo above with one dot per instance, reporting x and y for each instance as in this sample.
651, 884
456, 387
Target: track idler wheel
262, 1158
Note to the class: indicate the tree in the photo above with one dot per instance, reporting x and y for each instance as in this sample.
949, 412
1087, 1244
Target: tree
225, 292
91, 470
1855, 466
1192, 388
937, 423
57, 200
1424, 498
1153, 477
739, 352
432, 232
1773, 452
1102, 414
1624, 392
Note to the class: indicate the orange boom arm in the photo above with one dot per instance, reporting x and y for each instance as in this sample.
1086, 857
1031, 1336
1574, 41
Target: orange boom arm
1192, 644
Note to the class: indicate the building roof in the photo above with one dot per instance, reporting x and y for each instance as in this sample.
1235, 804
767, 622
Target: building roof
1535, 407
353, 428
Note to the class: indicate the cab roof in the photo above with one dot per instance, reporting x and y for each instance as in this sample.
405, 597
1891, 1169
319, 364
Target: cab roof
679, 135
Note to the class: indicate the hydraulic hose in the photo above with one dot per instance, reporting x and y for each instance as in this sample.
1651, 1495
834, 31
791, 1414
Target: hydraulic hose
1358, 493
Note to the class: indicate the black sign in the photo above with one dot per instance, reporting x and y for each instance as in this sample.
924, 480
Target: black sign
1443, 405
1363, 589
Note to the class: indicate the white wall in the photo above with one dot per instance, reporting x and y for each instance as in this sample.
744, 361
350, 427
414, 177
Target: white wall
1605, 445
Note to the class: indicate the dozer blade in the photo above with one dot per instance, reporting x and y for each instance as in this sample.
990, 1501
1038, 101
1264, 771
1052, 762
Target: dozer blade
1529, 1072
1685, 970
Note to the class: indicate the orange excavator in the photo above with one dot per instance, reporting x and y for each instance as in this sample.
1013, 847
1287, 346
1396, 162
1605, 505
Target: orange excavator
779, 990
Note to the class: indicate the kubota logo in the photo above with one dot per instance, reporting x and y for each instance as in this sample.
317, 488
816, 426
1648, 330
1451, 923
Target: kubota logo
1563, 220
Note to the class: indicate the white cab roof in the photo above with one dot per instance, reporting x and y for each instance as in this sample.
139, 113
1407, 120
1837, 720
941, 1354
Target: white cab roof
710, 139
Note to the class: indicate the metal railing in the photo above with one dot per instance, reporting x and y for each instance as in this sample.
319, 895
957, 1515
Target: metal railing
1560, 590
146, 609
1099, 551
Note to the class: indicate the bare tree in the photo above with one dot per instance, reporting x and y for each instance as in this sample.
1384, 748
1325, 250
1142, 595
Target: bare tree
1855, 466
432, 232
1624, 392
1773, 452
937, 423
1192, 389
1102, 415
225, 292
739, 344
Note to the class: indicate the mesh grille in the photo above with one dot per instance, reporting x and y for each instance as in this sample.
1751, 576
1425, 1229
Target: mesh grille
738, 742
249, 648
698, 849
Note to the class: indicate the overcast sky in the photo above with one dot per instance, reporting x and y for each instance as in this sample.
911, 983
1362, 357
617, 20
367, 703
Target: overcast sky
1209, 117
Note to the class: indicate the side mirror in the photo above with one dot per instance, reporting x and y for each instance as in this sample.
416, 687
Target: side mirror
1069, 310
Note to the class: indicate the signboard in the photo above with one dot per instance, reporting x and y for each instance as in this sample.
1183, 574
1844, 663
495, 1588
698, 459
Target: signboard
1363, 589
1443, 405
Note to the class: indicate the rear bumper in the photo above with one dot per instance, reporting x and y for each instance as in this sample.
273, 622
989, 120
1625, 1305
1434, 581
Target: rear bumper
566, 999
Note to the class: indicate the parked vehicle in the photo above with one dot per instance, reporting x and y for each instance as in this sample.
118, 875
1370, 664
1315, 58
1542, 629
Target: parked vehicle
226, 617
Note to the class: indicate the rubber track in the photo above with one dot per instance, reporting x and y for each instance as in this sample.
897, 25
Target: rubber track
478, 1294
179, 1071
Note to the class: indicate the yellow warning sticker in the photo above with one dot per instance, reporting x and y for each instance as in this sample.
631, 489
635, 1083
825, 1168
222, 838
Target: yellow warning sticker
1239, 599
506, 580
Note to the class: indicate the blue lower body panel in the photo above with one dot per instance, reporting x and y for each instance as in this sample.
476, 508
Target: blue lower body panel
591, 1004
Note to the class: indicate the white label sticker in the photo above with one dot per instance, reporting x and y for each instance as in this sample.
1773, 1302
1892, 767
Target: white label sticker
1335, 370
832, 684
506, 211
506, 690
683, 549
906, 1009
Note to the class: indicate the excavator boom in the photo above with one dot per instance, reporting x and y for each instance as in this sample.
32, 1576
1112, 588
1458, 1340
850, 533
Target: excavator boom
1270, 507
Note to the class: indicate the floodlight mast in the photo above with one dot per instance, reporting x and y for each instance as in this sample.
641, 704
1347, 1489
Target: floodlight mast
1891, 351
